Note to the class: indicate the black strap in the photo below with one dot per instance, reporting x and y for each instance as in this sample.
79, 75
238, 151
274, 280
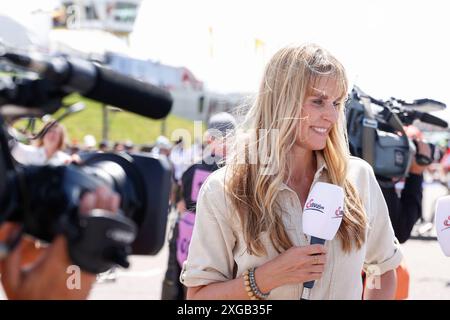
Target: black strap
369, 132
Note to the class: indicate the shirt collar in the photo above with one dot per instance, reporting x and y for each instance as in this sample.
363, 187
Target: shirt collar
321, 165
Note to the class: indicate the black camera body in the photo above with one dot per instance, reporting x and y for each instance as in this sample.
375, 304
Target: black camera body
47, 205
145, 183
387, 152
376, 134
52, 191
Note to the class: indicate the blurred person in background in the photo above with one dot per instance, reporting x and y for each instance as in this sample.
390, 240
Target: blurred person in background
74, 147
89, 143
404, 201
197, 150
103, 146
146, 148
180, 157
219, 125
404, 198
162, 146
445, 162
118, 147
129, 146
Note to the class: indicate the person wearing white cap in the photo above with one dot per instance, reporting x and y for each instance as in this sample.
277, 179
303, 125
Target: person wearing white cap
162, 146
89, 142
219, 126
222, 121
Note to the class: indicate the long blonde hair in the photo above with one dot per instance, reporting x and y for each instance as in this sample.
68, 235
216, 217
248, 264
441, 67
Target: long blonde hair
62, 136
287, 79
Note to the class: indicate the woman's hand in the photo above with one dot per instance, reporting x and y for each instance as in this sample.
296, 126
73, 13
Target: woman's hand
295, 265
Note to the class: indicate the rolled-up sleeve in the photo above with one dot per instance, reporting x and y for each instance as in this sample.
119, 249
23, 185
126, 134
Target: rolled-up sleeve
23, 153
210, 257
383, 249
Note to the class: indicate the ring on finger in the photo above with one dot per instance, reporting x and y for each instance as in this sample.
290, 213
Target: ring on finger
316, 260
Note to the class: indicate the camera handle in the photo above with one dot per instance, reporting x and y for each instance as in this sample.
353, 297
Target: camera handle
422, 159
394, 121
369, 129
100, 240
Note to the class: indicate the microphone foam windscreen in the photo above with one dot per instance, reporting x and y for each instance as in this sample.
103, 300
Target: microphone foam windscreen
130, 94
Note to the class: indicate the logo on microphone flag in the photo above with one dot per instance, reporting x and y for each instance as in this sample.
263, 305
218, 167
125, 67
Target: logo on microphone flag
311, 205
339, 213
446, 223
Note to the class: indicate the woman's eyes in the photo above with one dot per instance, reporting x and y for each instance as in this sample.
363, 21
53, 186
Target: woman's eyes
320, 102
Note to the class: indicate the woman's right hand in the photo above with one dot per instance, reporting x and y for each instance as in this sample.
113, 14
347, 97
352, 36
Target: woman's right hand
294, 266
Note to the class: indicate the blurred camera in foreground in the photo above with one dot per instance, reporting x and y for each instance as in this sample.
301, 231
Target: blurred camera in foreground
45, 199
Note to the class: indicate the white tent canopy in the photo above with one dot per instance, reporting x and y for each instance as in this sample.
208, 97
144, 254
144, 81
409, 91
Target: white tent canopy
14, 33
87, 43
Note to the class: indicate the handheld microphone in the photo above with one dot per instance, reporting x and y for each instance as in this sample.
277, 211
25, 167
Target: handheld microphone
442, 223
322, 216
98, 83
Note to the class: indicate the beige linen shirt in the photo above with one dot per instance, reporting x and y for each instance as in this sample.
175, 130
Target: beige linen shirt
218, 252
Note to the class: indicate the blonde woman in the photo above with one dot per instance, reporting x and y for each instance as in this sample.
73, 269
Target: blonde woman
248, 240
49, 148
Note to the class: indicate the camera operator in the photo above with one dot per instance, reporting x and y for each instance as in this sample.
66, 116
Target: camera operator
381, 133
405, 209
47, 277
404, 201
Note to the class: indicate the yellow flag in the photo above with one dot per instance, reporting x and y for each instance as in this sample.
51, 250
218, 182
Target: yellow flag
211, 42
259, 45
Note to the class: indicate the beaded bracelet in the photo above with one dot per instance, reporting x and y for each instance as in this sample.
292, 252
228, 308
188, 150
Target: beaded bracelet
250, 286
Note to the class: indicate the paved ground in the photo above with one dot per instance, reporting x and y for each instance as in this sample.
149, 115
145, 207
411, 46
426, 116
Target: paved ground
429, 272
143, 281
